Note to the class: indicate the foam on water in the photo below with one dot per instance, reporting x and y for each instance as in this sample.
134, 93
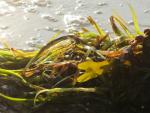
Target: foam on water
73, 22
5, 8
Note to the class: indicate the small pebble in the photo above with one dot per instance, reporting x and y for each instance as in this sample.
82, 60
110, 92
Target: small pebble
102, 4
59, 13
146, 10
31, 43
56, 29
48, 28
25, 18
39, 41
49, 17
81, 4
48, 5
78, 1
20, 36
121, 5
33, 38
98, 12
36, 29
30, 9
4, 27
76, 8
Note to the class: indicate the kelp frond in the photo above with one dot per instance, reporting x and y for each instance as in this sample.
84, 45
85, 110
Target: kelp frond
117, 30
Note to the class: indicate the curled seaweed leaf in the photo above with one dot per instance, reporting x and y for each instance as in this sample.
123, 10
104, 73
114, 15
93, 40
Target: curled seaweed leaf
116, 30
96, 26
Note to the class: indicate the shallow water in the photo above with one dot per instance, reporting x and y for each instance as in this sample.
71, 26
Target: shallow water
27, 24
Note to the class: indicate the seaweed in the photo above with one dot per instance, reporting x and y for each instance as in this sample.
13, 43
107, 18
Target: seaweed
99, 74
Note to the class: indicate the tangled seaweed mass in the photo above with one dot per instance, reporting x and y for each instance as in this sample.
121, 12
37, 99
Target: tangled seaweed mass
85, 72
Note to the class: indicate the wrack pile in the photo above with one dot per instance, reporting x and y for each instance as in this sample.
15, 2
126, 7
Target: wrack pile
85, 72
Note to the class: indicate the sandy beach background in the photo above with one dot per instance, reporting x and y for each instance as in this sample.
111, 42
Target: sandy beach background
26, 24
